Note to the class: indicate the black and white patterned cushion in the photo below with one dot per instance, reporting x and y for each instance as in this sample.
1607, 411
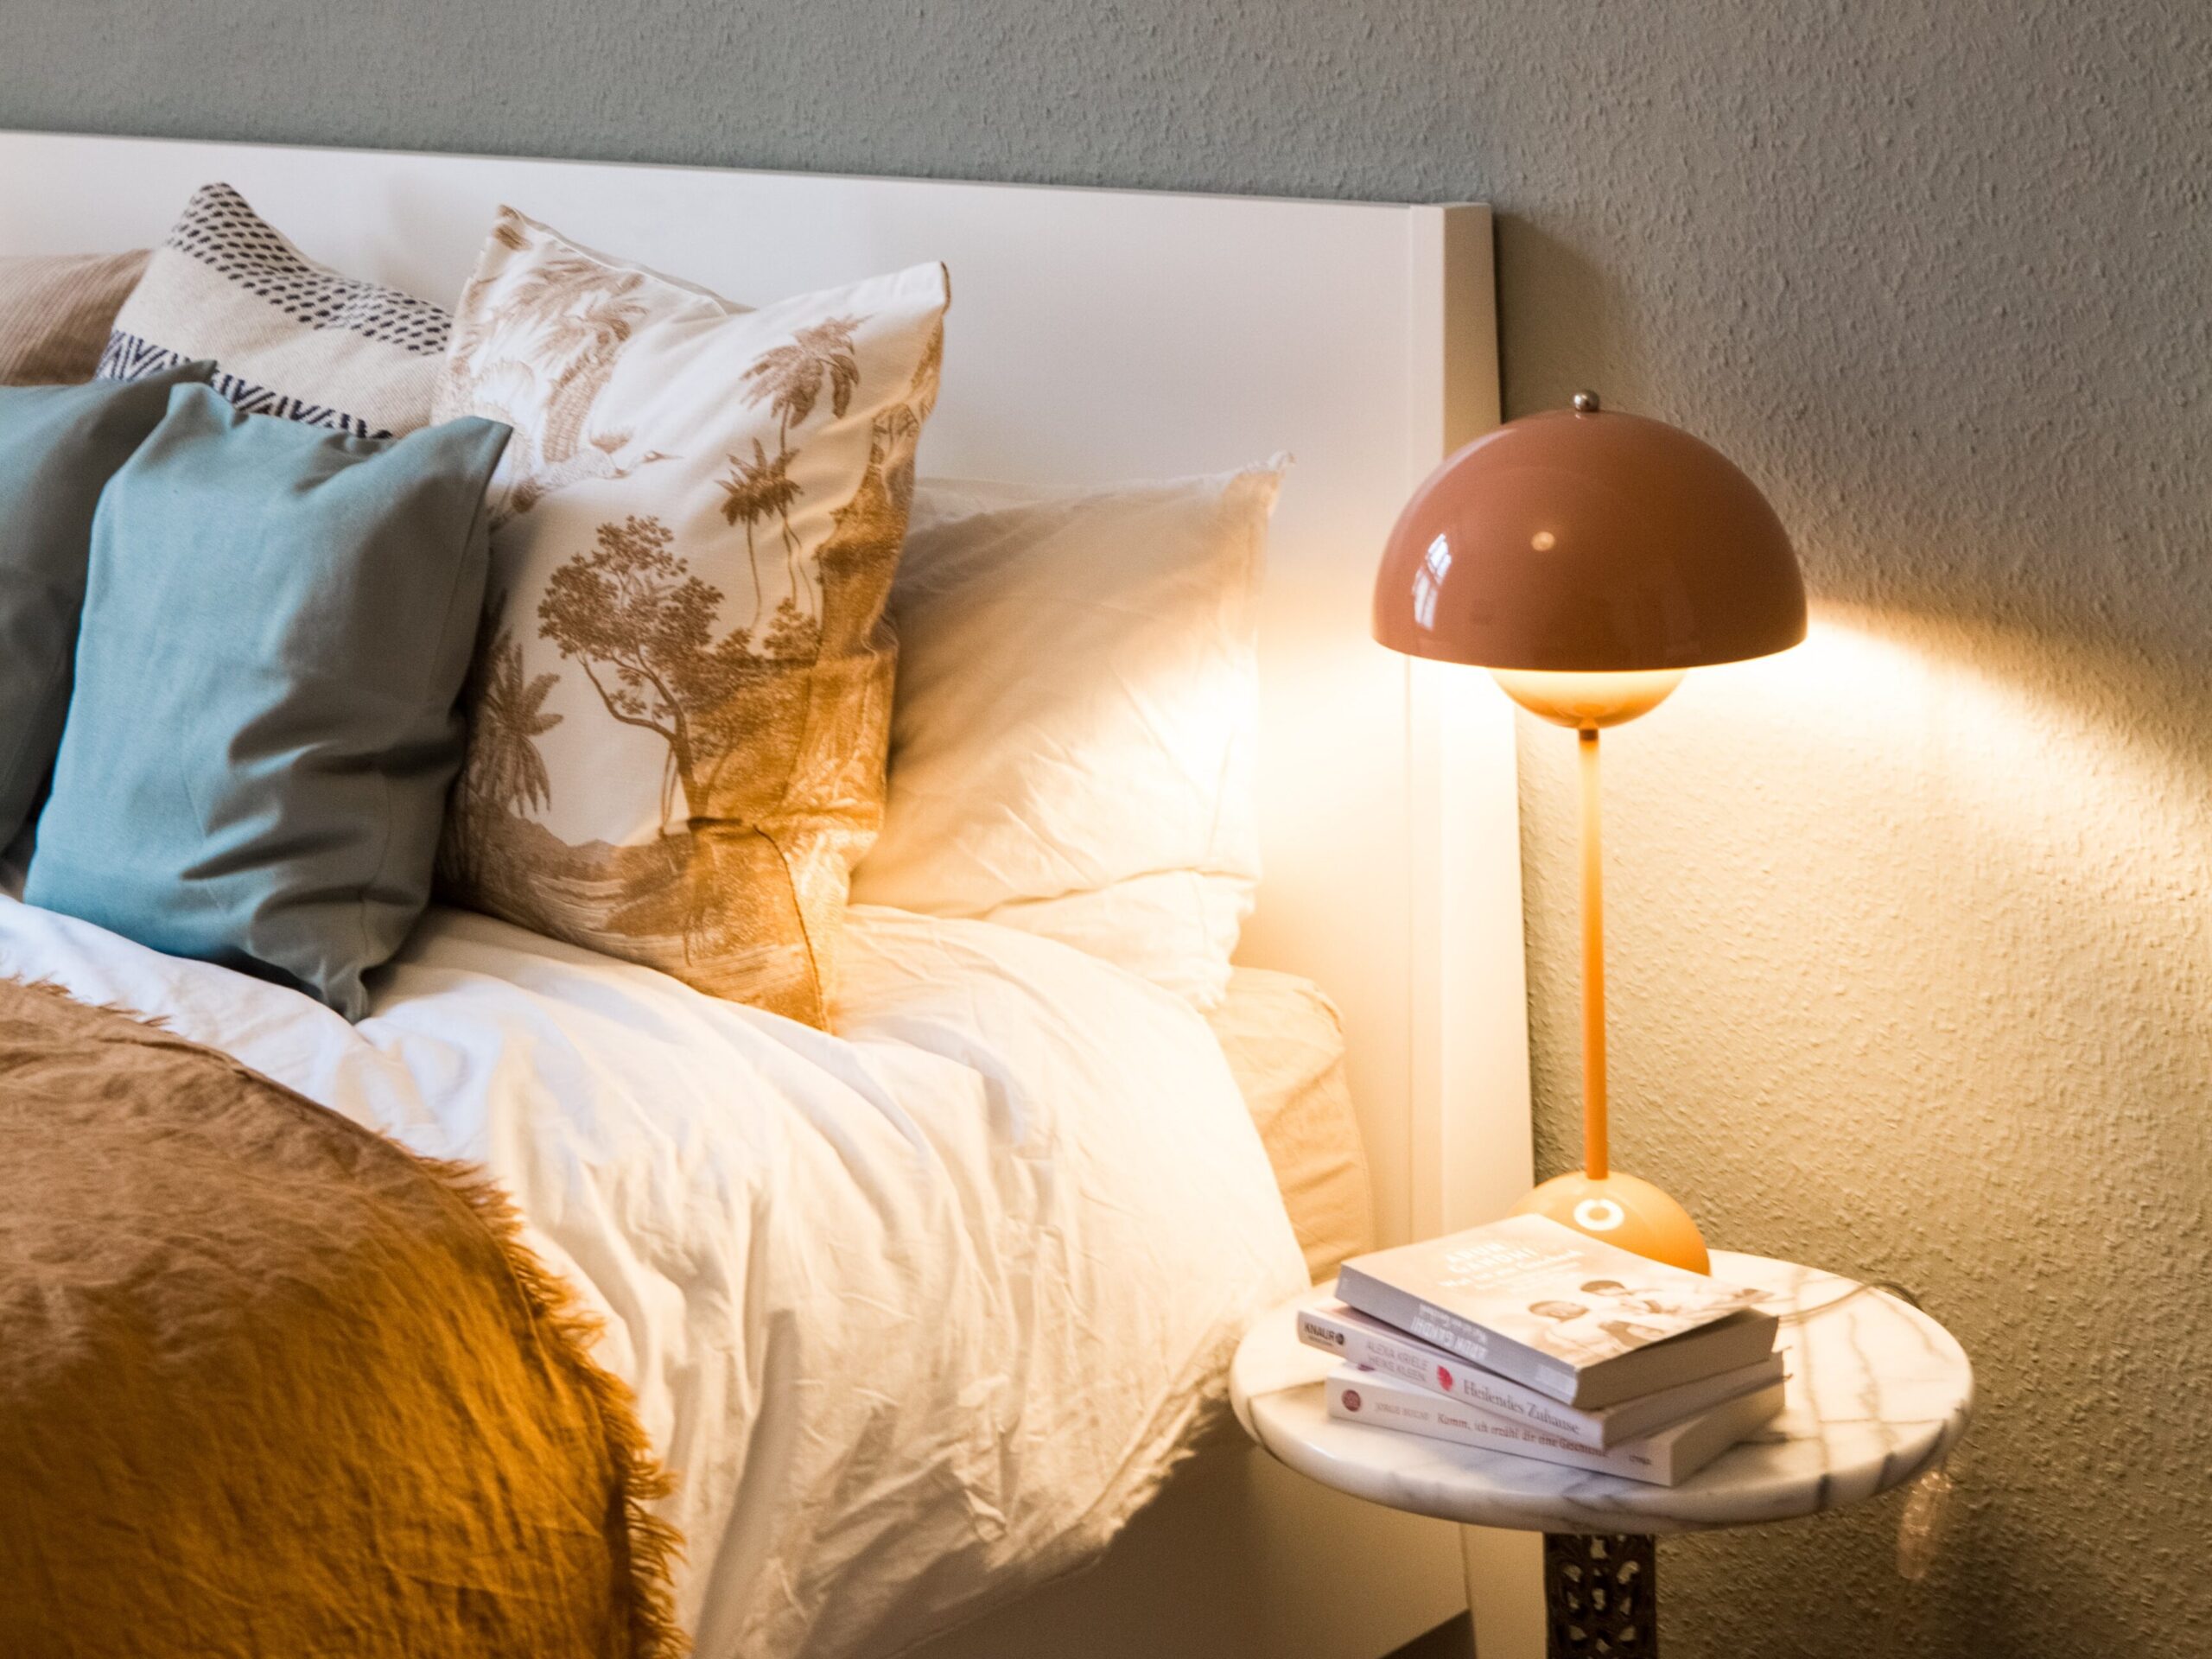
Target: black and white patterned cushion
289, 337
219, 230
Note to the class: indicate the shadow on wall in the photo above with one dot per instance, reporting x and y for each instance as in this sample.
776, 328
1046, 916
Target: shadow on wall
1911, 954
1543, 274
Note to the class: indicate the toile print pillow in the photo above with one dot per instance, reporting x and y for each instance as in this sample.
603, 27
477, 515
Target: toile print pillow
682, 700
288, 337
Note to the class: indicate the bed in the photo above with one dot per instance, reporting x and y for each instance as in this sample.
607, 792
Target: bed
1065, 1165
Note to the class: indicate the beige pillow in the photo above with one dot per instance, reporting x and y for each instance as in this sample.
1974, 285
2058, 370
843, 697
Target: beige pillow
55, 312
682, 695
1285, 1044
1074, 748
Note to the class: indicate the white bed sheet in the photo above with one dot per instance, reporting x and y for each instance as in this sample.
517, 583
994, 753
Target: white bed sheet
916, 1313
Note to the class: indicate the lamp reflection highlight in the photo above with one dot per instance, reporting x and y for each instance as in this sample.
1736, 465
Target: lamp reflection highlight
1428, 581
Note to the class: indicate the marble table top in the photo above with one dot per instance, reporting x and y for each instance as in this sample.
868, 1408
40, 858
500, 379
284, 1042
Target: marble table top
1877, 1392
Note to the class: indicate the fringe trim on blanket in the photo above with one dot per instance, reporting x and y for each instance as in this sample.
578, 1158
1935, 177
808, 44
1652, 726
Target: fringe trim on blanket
655, 1545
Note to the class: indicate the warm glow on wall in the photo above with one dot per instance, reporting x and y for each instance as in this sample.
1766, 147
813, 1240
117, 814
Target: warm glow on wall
1918, 798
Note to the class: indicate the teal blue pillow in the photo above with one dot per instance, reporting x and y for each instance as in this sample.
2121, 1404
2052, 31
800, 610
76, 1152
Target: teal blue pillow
277, 620
59, 446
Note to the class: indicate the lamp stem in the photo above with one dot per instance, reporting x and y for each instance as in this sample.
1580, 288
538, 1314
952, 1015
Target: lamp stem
1593, 962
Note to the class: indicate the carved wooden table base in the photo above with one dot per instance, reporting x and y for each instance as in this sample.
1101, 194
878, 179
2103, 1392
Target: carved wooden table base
1601, 1596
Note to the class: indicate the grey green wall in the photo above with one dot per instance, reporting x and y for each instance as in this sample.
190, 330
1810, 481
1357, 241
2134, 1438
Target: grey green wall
1913, 937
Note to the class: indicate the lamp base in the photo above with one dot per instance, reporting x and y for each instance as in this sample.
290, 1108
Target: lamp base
1624, 1211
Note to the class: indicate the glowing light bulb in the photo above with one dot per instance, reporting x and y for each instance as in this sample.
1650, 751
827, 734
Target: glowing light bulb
1584, 700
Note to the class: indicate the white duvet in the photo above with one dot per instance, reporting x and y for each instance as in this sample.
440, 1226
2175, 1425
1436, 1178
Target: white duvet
917, 1314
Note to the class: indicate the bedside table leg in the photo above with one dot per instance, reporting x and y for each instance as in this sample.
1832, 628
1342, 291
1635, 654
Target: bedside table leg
1601, 1596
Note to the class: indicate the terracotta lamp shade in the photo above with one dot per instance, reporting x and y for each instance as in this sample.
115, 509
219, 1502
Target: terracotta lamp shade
1587, 559
1578, 542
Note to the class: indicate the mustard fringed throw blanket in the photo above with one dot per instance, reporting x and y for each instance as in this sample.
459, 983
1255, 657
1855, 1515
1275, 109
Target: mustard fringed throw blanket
271, 1385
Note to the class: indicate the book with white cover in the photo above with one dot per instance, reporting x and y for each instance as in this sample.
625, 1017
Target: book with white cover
1667, 1458
1359, 1339
1573, 1318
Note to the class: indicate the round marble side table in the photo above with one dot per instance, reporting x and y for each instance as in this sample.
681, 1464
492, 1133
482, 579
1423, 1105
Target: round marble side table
1878, 1394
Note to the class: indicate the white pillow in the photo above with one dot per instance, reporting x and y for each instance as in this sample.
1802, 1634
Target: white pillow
1077, 715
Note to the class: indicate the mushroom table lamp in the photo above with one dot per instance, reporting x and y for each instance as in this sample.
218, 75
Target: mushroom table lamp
1587, 559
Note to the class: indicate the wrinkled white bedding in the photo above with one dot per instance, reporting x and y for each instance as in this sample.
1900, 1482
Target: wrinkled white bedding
916, 1313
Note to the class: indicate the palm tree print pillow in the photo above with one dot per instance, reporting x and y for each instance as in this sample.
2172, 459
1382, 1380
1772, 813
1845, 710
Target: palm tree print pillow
681, 703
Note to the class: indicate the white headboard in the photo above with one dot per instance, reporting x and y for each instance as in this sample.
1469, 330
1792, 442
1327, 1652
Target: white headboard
1097, 335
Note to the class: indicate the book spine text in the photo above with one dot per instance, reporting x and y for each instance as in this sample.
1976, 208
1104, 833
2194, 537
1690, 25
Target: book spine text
1412, 1362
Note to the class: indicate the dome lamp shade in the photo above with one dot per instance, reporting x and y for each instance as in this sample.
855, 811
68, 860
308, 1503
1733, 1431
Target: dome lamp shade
1585, 540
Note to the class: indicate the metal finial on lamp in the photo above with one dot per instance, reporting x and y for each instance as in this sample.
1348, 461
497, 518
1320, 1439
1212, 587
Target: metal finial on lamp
1588, 559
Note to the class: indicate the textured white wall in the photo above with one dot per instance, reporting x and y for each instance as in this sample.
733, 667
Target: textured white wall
1911, 940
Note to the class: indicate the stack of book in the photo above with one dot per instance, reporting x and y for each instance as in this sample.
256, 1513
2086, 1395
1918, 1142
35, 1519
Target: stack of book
1528, 1338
